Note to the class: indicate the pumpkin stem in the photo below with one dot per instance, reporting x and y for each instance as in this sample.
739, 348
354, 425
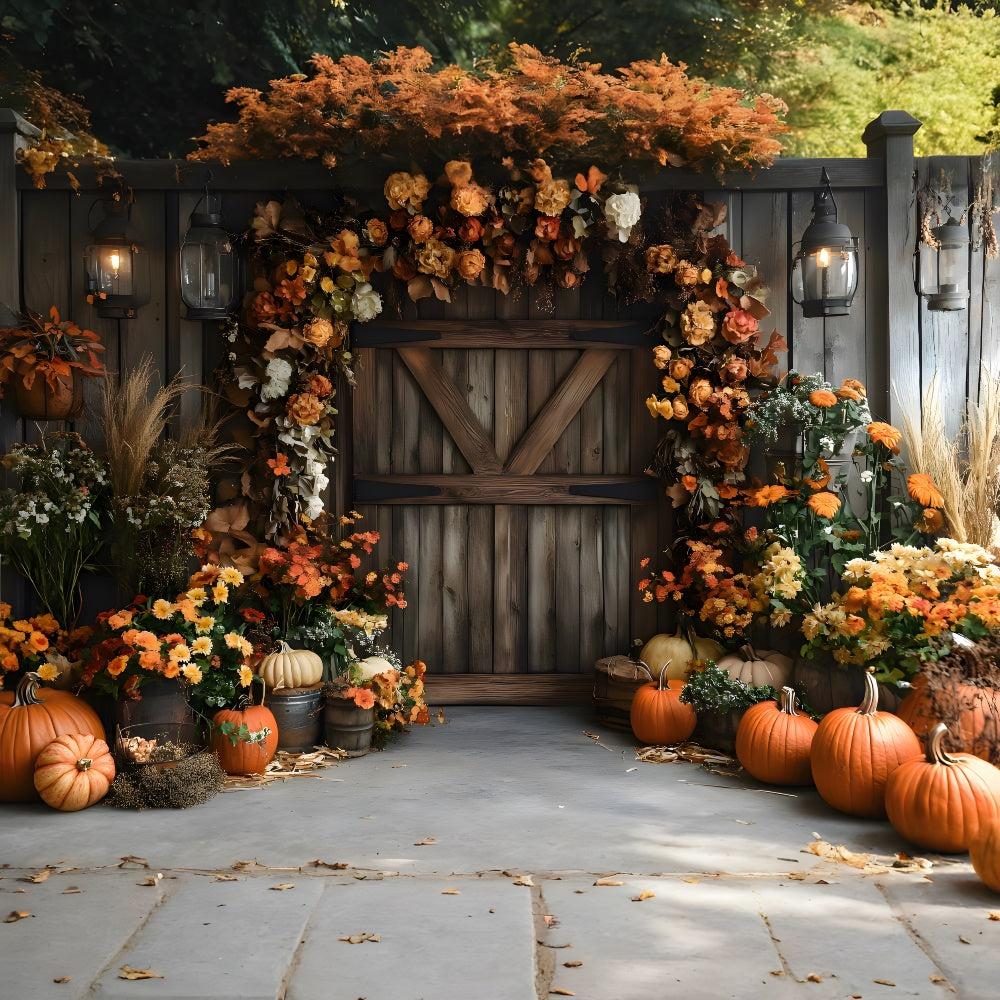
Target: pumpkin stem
645, 666
869, 704
83, 764
24, 694
748, 652
935, 752
786, 699
663, 673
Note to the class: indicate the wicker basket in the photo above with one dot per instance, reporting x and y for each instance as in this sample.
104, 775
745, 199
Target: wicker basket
616, 679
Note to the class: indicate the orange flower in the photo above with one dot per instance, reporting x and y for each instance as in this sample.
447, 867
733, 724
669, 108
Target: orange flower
279, 465
855, 386
823, 504
931, 520
922, 489
363, 697
689, 483
150, 660
767, 495
305, 409
886, 435
818, 484
822, 398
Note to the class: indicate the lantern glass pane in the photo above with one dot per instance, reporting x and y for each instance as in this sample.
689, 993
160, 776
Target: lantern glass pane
208, 269
109, 269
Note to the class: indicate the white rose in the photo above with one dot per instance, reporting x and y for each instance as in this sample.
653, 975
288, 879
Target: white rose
621, 212
366, 303
277, 377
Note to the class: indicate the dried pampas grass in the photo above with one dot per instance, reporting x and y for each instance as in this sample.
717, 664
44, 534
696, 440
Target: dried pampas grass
966, 468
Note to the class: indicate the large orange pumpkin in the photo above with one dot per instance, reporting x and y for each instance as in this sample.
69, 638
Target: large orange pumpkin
942, 802
249, 750
773, 741
855, 750
74, 771
658, 716
977, 710
984, 853
35, 719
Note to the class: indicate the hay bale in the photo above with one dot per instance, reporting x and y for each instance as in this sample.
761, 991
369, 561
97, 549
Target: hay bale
189, 782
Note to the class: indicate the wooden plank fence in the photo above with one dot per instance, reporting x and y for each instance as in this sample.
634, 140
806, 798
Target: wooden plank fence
500, 449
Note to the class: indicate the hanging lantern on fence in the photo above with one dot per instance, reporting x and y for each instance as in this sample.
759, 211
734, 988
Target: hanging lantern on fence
209, 264
944, 270
115, 264
825, 266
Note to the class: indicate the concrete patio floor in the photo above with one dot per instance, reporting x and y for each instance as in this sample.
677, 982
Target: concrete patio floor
470, 850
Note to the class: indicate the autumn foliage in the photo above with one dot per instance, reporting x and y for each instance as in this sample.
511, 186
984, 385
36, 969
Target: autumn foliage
523, 105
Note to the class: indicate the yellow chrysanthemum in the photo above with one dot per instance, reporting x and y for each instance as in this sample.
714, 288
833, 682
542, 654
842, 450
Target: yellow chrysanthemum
162, 609
192, 673
231, 575
197, 595
233, 640
205, 624
246, 677
202, 646
180, 652
220, 593
48, 671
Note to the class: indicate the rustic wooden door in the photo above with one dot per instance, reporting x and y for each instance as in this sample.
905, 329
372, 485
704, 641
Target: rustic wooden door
503, 459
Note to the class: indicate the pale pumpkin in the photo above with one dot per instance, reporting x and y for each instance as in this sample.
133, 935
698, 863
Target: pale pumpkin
291, 668
855, 750
942, 802
984, 853
658, 716
74, 771
757, 669
678, 652
371, 667
773, 741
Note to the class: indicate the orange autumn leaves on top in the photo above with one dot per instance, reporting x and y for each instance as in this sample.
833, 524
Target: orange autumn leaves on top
522, 104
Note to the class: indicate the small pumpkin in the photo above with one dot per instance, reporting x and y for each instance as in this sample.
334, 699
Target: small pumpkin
74, 771
773, 741
757, 669
245, 738
657, 714
291, 668
984, 853
942, 802
855, 750
36, 717
678, 651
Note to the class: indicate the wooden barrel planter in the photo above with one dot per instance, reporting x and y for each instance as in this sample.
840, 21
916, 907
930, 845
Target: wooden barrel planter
718, 729
616, 679
347, 727
160, 703
827, 686
43, 402
299, 715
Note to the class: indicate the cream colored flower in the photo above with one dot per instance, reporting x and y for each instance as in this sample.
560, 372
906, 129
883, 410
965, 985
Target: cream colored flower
552, 197
246, 676
192, 673
202, 646
697, 323
163, 609
231, 575
205, 624
197, 596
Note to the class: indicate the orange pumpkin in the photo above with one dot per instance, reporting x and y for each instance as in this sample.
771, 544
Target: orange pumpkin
657, 715
978, 711
773, 741
244, 738
942, 802
984, 853
74, 771
35, 719
855, 750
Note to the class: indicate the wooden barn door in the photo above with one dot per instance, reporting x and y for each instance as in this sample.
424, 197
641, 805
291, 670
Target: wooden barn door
504, 460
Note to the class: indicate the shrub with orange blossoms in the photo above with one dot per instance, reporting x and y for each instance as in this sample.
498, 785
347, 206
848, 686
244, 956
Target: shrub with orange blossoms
904, 605
37, 644
196, 640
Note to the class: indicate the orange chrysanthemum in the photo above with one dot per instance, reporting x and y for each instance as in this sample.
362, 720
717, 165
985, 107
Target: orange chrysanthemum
922, 489
823, 504
930, 521
818, 484
822, 398
886, 435
767, 495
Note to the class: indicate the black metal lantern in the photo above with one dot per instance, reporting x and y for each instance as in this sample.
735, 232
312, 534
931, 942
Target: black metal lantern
209, 264
825, 266
944, 275
115, 264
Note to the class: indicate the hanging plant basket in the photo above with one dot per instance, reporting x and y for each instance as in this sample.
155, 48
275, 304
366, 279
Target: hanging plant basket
43, 402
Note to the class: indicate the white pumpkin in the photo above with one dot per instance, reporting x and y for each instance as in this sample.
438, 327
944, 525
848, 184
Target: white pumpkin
679, 651
371, 667
291, 668
758, 668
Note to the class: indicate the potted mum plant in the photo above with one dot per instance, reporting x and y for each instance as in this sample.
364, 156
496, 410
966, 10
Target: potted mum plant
44, 361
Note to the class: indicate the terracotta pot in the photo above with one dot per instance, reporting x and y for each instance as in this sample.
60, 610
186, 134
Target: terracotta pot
42, 402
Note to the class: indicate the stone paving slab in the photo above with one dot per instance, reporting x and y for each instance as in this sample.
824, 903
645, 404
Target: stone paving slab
69, 933
214, 940
433, 945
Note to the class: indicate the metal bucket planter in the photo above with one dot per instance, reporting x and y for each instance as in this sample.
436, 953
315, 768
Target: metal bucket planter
299, 714
347, 727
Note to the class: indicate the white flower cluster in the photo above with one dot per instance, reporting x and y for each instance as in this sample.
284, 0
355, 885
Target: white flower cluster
621, 213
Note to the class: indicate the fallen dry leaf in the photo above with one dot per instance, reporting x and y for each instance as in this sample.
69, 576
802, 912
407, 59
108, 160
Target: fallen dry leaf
337, 866
813, 978
38, 876
837, 852
362, 938
62, 979
994, 915
131, 859
281, 886
777, 972
440, 716
745, 822
884, 982
935, 978
152, 880
964, 939
425, 842
127, 972
223, 877
691, 879
608, 881
645, 894
572, 965
550, 920
451, 892
523, 880
560, 992
70, 890
15, 915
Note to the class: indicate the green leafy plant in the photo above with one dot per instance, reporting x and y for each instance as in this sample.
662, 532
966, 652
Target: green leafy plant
711, 689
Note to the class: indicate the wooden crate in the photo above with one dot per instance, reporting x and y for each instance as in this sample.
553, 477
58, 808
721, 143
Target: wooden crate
616, 679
